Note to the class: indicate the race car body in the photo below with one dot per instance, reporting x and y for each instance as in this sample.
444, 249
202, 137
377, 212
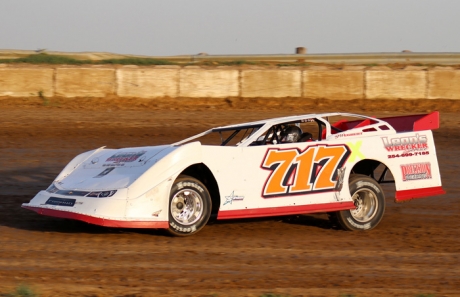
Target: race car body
332, 162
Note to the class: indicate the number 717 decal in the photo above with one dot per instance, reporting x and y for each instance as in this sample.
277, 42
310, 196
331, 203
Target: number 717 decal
301, 172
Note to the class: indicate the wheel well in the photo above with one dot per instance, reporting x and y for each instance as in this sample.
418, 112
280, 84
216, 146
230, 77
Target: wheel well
204, 175
375, 169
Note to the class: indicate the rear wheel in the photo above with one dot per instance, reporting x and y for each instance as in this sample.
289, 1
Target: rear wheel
189, 206
369, 200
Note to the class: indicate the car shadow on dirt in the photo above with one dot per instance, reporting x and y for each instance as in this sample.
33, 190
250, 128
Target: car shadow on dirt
318, 220
313, 220
38, 223
14, 216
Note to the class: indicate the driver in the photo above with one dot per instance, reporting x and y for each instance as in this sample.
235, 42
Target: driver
291, 134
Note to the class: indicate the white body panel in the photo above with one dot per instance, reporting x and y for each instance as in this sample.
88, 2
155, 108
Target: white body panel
250, 178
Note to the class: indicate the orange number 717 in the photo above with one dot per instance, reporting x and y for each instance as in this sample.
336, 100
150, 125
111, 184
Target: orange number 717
296, 172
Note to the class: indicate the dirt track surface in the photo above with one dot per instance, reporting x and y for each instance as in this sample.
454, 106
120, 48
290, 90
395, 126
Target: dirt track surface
415, 250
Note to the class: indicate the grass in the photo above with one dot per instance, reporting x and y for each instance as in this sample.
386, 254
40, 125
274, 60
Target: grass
44, 58
229, 63
22, 291
46, 101
135, 61
293, 64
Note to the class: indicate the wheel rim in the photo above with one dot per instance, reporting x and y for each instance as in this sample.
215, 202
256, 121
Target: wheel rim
186, 207
366, 205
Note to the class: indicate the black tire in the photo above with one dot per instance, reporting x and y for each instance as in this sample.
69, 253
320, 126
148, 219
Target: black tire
189, 206
370, 205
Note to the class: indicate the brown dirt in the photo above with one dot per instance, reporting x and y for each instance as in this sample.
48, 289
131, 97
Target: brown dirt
415, 250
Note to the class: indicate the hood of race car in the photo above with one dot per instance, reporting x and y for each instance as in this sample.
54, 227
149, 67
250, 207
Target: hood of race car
110, 169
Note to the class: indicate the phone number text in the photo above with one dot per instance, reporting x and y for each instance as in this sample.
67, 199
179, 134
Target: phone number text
408, 154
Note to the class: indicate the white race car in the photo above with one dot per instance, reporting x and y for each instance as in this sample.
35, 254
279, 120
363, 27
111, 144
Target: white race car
331, 162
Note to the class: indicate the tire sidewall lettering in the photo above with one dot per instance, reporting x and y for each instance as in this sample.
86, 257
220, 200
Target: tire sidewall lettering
190, 183
182, 185
352, 222
362, 184
182, 229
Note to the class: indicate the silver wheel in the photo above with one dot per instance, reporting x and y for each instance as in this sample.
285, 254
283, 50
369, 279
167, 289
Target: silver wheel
187, 207
369, 201
366, 203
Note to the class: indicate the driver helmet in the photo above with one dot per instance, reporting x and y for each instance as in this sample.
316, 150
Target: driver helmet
291, 134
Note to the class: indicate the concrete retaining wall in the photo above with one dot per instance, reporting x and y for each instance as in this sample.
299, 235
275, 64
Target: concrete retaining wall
84, 82
350, 82
148, 83
271, 83
195, 82
343, 84
25, 82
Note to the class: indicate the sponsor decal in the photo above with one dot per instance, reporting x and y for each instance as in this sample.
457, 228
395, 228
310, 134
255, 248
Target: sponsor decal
416, 171
124, 157
60, 201
105, 172
406, 144
114, 165
233, 197
348, 134
355, 151
408, 155
156, 213
302, 172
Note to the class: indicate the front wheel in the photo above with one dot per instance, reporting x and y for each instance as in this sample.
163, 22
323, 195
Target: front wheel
369, 200
189, 206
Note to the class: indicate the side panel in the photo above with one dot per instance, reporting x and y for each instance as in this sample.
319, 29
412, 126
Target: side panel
152, 205
280, 179
313, 176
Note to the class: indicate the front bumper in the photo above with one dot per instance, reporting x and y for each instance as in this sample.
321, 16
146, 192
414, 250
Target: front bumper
98, 211
101, 221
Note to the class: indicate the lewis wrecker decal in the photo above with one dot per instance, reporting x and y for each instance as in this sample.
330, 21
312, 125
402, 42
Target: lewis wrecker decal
294, 172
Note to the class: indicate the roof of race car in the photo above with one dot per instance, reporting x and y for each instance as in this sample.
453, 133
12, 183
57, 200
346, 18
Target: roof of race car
280, 120
269, 122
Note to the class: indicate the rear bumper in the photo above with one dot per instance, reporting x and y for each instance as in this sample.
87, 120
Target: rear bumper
106, 222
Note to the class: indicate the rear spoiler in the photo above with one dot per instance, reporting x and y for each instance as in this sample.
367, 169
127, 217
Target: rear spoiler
410, 123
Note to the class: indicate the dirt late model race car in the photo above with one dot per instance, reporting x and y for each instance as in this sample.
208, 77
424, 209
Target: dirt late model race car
332, 163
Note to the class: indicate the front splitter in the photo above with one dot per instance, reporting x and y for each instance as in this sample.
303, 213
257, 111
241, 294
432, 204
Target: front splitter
98, 221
